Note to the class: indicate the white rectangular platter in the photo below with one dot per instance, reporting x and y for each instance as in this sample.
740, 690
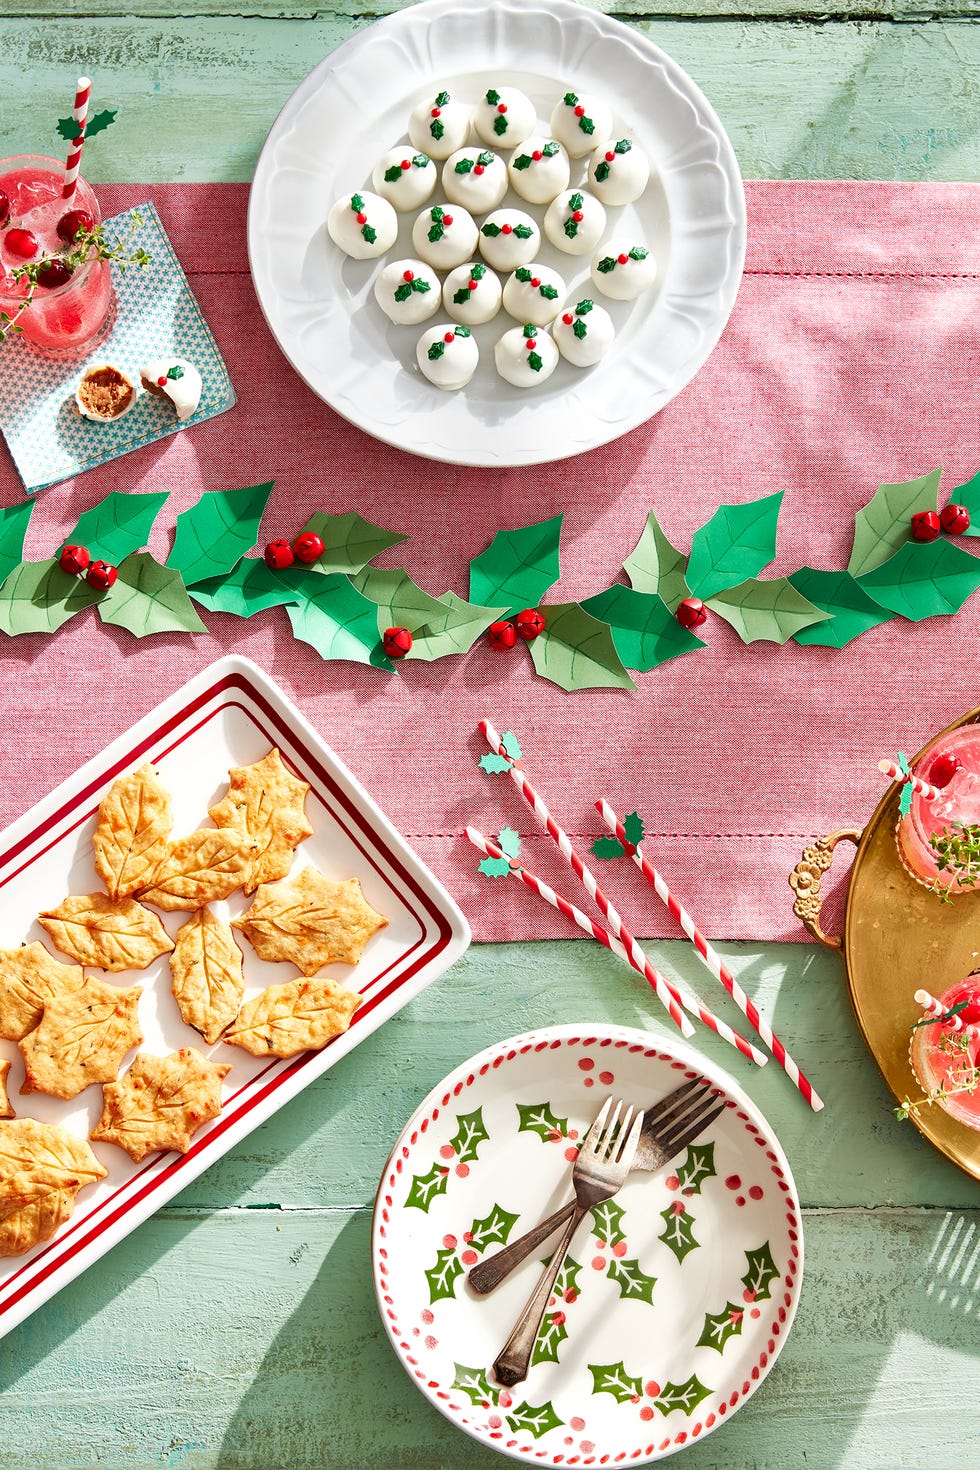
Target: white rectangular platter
228, 715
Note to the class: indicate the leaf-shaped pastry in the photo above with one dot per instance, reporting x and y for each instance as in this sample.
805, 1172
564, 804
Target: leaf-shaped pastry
160, 1102
42, 1167
81, 1038
206, 971
264, 802
132, 832
286, 1019
200, 869
112, 934
29, 977
310, 920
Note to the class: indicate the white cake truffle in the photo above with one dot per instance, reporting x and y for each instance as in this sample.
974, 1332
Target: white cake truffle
476, 178
471, 293
445, 237
535, 293
439, 125
581, 123
619, 172
405, 177
408, 291
575, 222
447, 355
525, 356
509, 238
584, 333
539, 169
177, 379
623, 270
504, 117
363, 225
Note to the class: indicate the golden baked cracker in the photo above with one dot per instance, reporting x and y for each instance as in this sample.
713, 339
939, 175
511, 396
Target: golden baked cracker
200, 869
160, 1102
81, 1038
6, 1107
311, 921
113, 934
265, 802
29, 977
286, 1019
206, 973
42, 1167
132, 833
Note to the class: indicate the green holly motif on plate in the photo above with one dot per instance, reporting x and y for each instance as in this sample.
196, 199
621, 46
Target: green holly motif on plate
470, 1133
678, 1232
684, 1396
607, 1220
476, 1386
720, 1326
538, 1118
424, 1188
536, 1420
443, 1276
552, 1334
613, 1378
634, 1284
493, 1229
698, 1165
762, 1272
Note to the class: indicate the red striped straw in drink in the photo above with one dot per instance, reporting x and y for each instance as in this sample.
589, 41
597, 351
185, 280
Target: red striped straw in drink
920, 787
955, 1023
712, 959
80, 113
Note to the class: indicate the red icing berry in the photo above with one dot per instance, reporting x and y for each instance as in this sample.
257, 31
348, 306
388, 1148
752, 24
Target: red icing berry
406, 163
362, 218
74, 560
537, 155
101, 575
408, 275
396, 642
925, 525
22, 244
502, 635
501, 106
943, 769
70, 224
53, 273
162, 381
567, 318
471, 285
4, 208
308, 546
580, 111
529, 342
610, 157
954, 519
279, 554
506, 229
535, 282
622, 259
578, 216
529, 624
478, 168
691, 613
448, 336
436, 112
447, 219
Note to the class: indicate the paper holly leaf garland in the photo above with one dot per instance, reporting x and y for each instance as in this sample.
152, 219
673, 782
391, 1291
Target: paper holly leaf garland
149, 598
38, 597
770, 611
850, 610
924, 579
646, 633
119, 524
453, 630
400, 602
969, 495
576, 651
336, 620
215, 532
655, 565
518, 567
248, 588
349, 541
13, 529
734, 545
884, 523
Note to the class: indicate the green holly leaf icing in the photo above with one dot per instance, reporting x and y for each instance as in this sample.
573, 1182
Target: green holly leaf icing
607, 1220
606, 264
370, 233
522, 274
737, 542
602, 171
349, 541
492, 867
698, 1165
720, 1326
684, 1396
538, 1118
424, 1188
38, 597
577, 651
493, 97
613, 1378
551, 148
644, 630
437, 128
175, 372
968, 494
550, 1337
570, 227
570, 99
460, 331
634, 1284
333, 617
579, 328
393, 174
404, 291
470, 1133
762, 1272
248, 588
453, 629
576, 202
548, 292
884, 524
523, 232
534, 361
442, 99
769, 611
678, 1231
850, 611
493, 764
119, 524
463, 294
500, 125
476, 1386
443, 1276
638, 252
509, 842
634, 829
518, 567
356, 203
655, 565
464, 166
490, 229
13, 530
924, 579
522, 161
493, 1229
149, 598
536, 1420
606, 848
216, 531
420, 160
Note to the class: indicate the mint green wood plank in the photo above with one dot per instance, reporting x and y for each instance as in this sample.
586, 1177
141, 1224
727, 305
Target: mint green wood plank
872, 101
626, 10
172, 1353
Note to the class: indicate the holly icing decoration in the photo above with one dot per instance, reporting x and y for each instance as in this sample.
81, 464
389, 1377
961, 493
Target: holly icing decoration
500, 121
610, 262
436, 127
440, 222
438, 348
399, 170
584, 121
543, 289
483, 160
477, 272
576, 319
524, 160
531, 336
521, 232
604, 168
368, 231
576, 204
411, 282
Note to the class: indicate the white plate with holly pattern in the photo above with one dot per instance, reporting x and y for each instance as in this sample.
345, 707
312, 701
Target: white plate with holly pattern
676, 1296
355, 106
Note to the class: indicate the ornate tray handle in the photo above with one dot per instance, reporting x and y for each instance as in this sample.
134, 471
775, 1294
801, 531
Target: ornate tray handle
805, 882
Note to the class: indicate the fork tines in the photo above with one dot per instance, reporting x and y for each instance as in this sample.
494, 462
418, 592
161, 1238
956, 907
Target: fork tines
689, 1117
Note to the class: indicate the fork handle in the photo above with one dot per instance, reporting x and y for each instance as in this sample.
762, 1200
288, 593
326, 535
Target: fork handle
514, 1359
488, 1274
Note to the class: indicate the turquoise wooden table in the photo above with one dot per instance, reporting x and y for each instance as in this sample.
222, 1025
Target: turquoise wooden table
238, 1328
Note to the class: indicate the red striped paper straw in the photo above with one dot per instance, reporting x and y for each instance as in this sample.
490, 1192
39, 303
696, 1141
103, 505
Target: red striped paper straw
920, 787
712, 959
930, 1004
79, 112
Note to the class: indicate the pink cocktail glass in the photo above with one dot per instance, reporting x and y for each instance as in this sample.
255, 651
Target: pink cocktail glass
958, 802
67, 320
942, 1057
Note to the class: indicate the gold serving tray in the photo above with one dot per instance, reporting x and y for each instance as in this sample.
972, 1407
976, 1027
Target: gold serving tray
897, 937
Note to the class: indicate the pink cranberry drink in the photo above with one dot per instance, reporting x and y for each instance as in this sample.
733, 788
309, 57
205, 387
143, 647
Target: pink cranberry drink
951, 763
72, 307
947, 1059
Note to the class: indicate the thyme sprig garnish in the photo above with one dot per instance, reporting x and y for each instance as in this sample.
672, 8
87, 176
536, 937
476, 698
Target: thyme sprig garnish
964, 1076
957, 853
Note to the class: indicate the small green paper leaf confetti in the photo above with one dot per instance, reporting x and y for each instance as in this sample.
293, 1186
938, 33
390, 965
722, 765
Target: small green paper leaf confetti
119, 524
493, 764
737, 542
424, 1188
213, 534
38, 597
509, 842
769, 611
634, 829
884, 524
518, 566
511, 745
149, 598
538, 1118
336, 620
850, 610
613, 1378
576, 651
492, 867
655, 565
924, 580
606, 848
646, 633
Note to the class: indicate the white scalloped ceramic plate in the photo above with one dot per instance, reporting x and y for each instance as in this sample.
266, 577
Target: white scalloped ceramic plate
675, 1299
355, 105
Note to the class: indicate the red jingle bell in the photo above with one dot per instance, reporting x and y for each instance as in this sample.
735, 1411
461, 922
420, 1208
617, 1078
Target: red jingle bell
101, 575
691, 613
954, 519
74, 560
925, 525
308, 547
501, 635
279, 555
529, 624
397, 642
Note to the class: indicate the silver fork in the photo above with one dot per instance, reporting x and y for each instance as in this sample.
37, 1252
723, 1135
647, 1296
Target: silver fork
599, 1171
668, 1127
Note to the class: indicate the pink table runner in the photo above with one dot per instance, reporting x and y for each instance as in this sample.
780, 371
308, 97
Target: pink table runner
850, 360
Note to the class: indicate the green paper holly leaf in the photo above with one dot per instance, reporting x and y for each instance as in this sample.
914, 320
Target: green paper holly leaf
538, 1118
470, 1133
634, 828
698, 1165
349, 541
576, 651
655, 565
607, 1221
850, 610
335, 619
511, 745
493, 764
509, 842
613, 1378
149, 598
248, 588
443, 1276
902, 761
905, 799
678, 1231
492, 867
38, 597
13, 530
493, 1229
924, 579
684, 1396
765, 611
119, 524
476, 1386
645, 631
424, 1188
969, 495
606, 848
400, 602
453, 630
518, 566
67, 127
762, 1272
720, 1326
536, 1421
884, 524
634, 1284
215, 533
737, 542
